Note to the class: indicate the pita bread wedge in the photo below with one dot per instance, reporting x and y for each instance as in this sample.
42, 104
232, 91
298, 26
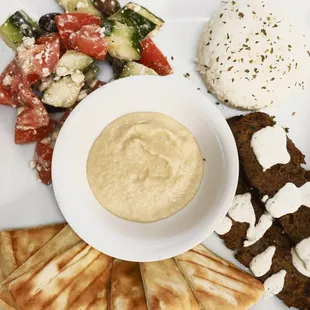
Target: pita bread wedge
218, 284
16, 246
4, 306
127, 290
166, 288
77, 278
65, 239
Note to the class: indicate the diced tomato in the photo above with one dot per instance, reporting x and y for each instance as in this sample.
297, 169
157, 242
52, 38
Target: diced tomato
12, 73
10, 81
44, 151
31, 114
153, 58
29, 99
48, 38
38, 62
31, 118
43, 159
6, 98
23, 136
70, 23
88, 40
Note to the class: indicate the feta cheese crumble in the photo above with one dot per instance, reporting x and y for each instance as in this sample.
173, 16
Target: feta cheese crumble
77, 77
7, 80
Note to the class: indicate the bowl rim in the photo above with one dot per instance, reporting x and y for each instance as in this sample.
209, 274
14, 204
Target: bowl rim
227, 144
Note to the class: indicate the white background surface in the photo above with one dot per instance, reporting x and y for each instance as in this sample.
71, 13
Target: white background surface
24, 202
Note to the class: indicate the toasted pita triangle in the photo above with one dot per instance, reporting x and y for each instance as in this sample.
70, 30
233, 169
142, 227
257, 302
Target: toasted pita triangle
77, 278
65, 239
127, 290
4, 306
16, 246
165, 287
217, 283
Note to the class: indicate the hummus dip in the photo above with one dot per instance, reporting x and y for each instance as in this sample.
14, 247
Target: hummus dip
145, 167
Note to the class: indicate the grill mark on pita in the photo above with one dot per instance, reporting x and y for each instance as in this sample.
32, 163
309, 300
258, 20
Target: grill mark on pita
134, 272
64, 263
109, 299
215, 271
215, 260
12, 241
90, 284
213, 296
92, 302
43, 266
49, 302
219, 262
95, 280
155, 300
218, 284
108, 288
20, 288
68, 265
68, 260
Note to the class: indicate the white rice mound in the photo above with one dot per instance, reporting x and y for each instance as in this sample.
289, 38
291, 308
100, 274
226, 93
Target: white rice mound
250, 58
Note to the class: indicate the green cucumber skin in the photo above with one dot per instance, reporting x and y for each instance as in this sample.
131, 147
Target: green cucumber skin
130, 18
146, 14
132, 68
135, 40
108, 25
16, 27
128, 40
91, 74
11, 35
71, 6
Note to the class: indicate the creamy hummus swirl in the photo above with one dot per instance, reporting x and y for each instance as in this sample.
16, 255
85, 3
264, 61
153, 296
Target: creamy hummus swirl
145, 167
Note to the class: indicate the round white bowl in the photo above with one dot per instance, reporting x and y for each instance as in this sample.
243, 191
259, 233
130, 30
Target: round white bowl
142, 242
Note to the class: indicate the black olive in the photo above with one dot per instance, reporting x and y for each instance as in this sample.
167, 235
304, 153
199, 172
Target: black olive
107, 7
47, 22
24, 25
118, 67
52, 110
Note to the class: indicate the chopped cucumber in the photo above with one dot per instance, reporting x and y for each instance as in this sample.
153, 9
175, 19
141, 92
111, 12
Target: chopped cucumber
146, 14
91, 75
16, 27
82, 6
130, 18
123, 41
133, 68
63, 93
72, 61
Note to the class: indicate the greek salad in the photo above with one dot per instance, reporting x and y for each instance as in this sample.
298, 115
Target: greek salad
55, 65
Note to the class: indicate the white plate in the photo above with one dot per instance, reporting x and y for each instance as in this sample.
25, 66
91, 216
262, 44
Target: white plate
177, 98
24, 202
